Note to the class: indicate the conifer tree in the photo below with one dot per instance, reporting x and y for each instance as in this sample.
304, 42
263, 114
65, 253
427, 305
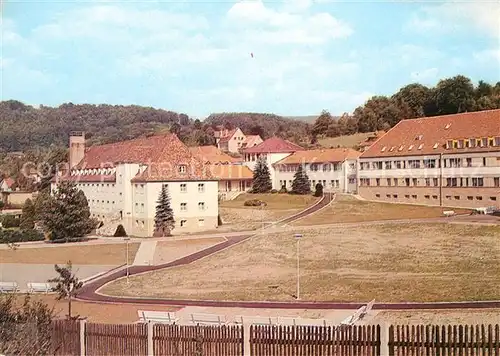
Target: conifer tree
67, 284
300, 184
164, 218
66, 215
28, 216
261, 177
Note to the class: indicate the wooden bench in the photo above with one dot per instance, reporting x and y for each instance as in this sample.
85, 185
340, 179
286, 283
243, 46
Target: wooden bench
160, 317
256, 320
208, 319
448, 213
352, 319
6, 287
301, 321
34, 287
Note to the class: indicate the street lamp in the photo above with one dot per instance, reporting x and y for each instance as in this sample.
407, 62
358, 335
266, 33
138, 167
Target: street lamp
127, 239
262, 205
297, 238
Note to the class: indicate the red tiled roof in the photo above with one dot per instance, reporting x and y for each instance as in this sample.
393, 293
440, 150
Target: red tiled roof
9, 181
251, 140
227, 137
320, 156
162, 154
274, 145
427, 136
212, 155
90, 178
231, 172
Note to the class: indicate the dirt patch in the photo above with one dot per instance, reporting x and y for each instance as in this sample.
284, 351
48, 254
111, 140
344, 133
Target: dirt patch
391, 263
236, 219
273, 201
347, 209
167, 251
439, 317
98, 254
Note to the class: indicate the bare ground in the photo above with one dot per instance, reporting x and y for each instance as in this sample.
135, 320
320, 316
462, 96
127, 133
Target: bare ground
391, 263
90, 254
347, 209
167, 251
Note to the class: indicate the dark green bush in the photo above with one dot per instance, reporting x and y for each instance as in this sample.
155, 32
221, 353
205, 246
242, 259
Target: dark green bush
274, 191
10, 236
319, 190
283, 190
120, 231
9, 221
252, 202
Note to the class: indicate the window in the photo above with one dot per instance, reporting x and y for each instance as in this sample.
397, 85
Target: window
201, 187
183, 188
364, 166
415, 182
496, 182
429, 163
388, 165
314, 167
470, 197
352, 180
327, 167
182, 168
427, 196
398, 164
395, 182
448, 197
395, 196
183, 206
183, 223
201, 222
407, 182
451, 182
364, 181
389, 182
468, 162
493, 198
377, 181
377, 195
414, 163
434, 197
455, 162
484, 161
201, 206
457, 197
477, 182
427, 182
407, 196
414, 196
136, 207
388, 196
377, 165
479, 198
142, 208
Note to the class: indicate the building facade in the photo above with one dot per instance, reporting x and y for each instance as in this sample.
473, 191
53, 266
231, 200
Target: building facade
122, 183
333, 168
234, 141
273, 149
451, 161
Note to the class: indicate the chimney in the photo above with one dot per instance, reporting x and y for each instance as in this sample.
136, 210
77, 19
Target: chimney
76, 148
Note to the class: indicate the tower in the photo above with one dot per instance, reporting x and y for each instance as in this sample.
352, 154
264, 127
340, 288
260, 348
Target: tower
76, 148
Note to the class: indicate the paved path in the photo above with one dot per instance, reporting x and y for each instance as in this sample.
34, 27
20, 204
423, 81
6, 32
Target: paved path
145, 254
89, 291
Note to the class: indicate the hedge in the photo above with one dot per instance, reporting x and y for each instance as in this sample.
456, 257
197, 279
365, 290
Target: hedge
9, 221
10, 236
252, 202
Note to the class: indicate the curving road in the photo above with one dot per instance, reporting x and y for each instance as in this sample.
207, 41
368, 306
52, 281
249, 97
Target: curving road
89, 291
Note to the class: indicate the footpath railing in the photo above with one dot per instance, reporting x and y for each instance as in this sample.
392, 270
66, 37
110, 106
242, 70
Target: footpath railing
85, 338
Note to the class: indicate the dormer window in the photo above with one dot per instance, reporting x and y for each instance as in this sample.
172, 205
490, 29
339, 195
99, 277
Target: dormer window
410, 148
383, 149
392, 149
447, 126
420, 146
436, 145
491, 141
466, 143
182, 168
419, 138
478, 142
401, 148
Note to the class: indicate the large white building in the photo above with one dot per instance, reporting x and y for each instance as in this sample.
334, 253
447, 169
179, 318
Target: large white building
334, 168
122, 183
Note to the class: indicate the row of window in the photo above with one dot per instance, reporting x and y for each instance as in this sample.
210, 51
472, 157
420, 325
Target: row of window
182, 223
313, 167
425, 163
429, 182
435, 197
473, 142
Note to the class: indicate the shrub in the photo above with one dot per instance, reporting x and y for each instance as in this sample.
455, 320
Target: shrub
9, 221
283, 190
120, 231
252, 202
274, 191
11, 236
319, 190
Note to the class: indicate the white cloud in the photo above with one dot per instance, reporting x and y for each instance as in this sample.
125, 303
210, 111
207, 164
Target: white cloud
428, 75
483, 16
273, 26
488, 56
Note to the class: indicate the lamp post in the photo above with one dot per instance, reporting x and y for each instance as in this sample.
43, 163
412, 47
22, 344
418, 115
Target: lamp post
297, 238
127, 239
262, 205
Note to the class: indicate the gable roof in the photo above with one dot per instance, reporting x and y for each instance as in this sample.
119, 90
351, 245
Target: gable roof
427, 136
274, 145
228, 135
251, 140
9, 182
320, 156
212, 155
162, 155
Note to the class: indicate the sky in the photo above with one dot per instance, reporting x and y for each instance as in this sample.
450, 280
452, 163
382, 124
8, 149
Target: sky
292, 57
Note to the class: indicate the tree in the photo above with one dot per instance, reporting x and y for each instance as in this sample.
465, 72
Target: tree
261, 177
300, 184
197, 124
483, 89
486, 103
2, 204
67, 215
412, 100
257, 130
120, 231
28, 217
378, 113
164, 218
318, 190
322, 123
454, 95
67, 284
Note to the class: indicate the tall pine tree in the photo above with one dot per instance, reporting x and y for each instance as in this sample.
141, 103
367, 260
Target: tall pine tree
300, 184
28, 216
164, 218
66, 215
261, 177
